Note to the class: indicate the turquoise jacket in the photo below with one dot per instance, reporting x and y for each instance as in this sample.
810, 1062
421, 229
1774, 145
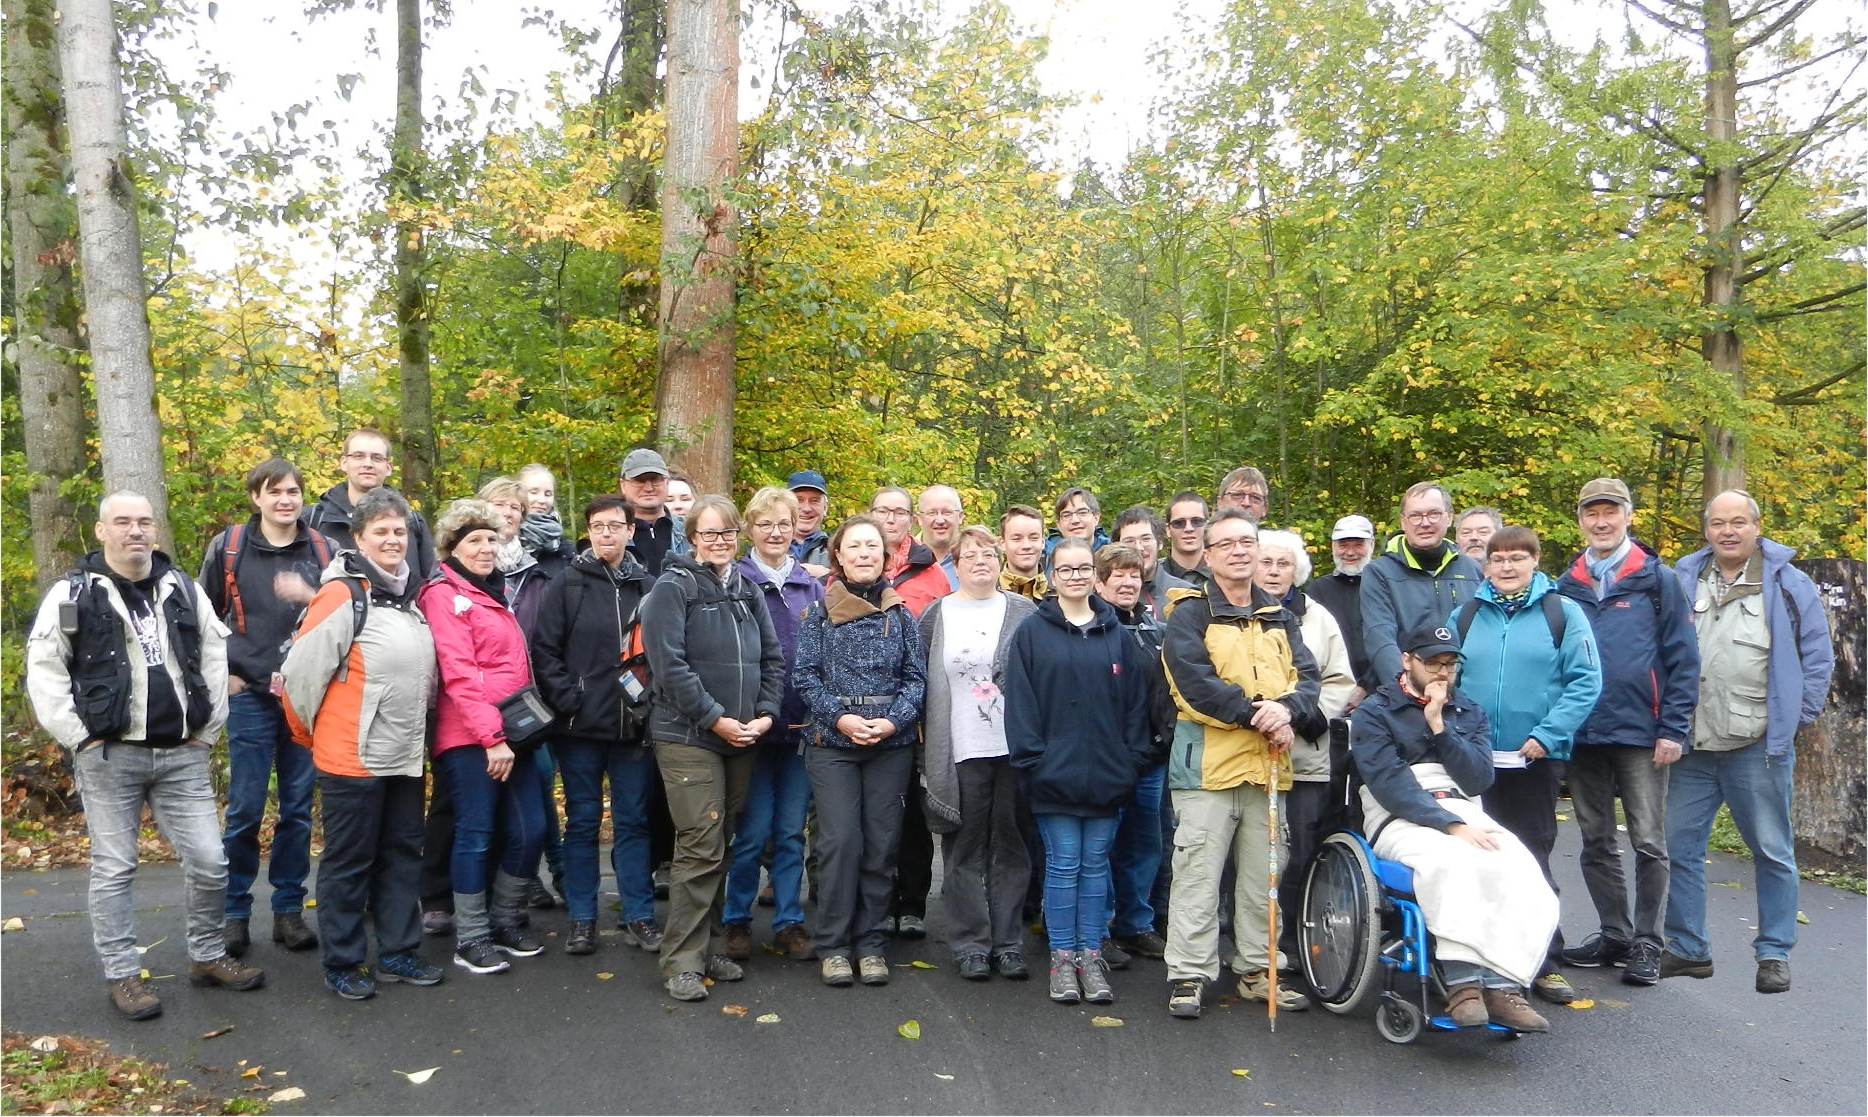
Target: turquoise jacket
1527, 685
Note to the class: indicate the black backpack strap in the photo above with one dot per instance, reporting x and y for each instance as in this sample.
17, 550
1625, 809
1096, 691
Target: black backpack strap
1555, 618
1462, 620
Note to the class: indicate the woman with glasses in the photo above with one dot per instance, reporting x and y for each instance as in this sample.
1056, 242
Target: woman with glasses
718, 680
779, 793
1076, 723
859, 671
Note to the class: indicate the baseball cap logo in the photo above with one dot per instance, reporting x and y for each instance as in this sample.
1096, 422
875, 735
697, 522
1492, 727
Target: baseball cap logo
1445, 635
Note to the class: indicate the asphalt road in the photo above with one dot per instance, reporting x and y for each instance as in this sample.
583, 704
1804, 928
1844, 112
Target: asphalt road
552, 1037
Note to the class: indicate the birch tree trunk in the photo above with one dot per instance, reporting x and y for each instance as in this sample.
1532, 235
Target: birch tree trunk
110, 249
1724, 448
45, 302
694, 396
420, 459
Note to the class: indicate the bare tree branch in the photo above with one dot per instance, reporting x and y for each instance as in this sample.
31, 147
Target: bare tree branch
1789, 17
1808, 393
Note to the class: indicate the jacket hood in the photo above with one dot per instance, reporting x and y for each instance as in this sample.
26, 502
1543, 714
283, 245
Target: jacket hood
842, 606
338, 497
1103, 615
93, 562
351, 564
1776, 556
1397, 546
1637, 558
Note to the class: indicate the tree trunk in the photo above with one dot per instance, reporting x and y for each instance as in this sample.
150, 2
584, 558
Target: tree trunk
636, 88
112, 257
45, 300
1724, 447
420, 461
694, 397
1828, 813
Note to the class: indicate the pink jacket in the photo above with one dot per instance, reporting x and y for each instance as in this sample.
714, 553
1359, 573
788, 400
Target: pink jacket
482, 656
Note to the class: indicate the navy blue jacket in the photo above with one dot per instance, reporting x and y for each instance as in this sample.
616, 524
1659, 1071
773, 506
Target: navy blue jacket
1076, 711
1388, 732
1650, 653
849, 649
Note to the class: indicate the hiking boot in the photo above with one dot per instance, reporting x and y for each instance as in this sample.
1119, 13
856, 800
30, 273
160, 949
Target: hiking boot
911, 927
722, 968
1598, 950
236, 937
1145, 945
687, 986
1673, 965
228, 973
538, 896
1643, 964
795, 941
836, 971
1773, 975
1467, 1006
642, 933
410, 968
659, 880
1093, 978
1064, 987
479, 957
437, 922
973, 967
583, 937
738, 944
516, 941
1256, 986
874, 969
1508, 1007
1114, 956
135, 999
289, 930
353, 983
1011, 965
1184, 998
1555, 988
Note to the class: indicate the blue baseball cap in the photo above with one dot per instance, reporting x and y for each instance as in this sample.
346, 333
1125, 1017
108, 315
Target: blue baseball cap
807, 479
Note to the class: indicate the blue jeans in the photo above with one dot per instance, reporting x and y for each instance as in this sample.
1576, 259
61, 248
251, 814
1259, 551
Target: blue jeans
632, 771
1757, 789
776, 802
1135, 859
257, 743
478, 798
554, 837
1076, 878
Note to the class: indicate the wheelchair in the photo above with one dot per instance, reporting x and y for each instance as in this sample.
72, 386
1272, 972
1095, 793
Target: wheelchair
1359, 921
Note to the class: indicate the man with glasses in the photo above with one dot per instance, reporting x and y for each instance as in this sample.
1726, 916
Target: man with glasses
911, 567
1341, 592
1246, 489
1078, 517
1419, 580
1474, 528
939, 514
658, 532
366, 465
1186, 523
1140, 528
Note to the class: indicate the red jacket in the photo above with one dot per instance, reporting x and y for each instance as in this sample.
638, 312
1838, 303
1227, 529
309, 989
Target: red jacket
917, 577
482, 658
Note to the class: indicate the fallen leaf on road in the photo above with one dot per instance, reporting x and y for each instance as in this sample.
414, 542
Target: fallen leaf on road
45, 1044
1729, 883
1801, 918
1241, 1072
1581, 1003
311, 903
1105, 1021
217, 1033
920, 965
768, 1018
910, 1030
605, 976
733, 1010
290, 1093
152, 946
30, 892
417, 1077
456, 1051
943, 1077
13, 924
251, 1072
1563, 818
280, 1073
707, 981
180, 1081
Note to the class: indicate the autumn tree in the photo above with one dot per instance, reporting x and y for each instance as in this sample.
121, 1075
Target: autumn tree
406, 162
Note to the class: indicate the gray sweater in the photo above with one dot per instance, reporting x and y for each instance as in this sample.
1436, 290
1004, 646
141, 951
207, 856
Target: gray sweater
941, 790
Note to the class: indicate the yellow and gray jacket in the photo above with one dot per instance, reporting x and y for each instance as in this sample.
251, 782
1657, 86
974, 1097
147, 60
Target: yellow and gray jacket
1220, 659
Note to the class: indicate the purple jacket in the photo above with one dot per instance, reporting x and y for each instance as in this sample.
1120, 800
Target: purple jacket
786, 604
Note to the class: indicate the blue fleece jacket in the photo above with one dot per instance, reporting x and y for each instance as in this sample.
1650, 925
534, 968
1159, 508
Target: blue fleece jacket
1650, 656
1529, 687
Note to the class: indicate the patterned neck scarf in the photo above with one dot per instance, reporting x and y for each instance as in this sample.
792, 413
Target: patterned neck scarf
1511, 603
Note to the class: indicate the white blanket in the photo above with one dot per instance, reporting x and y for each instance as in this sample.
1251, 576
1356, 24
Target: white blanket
1491, 907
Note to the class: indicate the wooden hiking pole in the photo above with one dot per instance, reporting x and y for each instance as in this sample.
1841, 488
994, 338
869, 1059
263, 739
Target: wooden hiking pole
1271, 905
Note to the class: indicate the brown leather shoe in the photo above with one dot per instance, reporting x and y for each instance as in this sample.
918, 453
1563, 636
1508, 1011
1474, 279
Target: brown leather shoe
795, 941
134, 999
289, 930
738, 942
1466, 1006
226, 973
1508, 1007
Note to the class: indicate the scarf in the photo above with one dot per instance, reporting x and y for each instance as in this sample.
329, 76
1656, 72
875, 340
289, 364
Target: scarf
512, 555
1511, 603
396, 585
774, 574
1603, 569
1032, 587
541, 533
493, 585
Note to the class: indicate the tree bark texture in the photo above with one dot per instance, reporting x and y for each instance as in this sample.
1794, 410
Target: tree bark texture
110, 250
1724, 447
44, 232
1829, 812
632, 85
420, 460
694, 396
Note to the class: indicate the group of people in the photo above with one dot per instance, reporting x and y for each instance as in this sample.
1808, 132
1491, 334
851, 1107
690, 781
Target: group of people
1099, 726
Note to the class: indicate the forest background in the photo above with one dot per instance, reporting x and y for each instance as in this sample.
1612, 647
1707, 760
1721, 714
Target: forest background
1356, 244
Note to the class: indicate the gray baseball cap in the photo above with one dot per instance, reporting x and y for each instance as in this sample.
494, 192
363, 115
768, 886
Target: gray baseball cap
643, 460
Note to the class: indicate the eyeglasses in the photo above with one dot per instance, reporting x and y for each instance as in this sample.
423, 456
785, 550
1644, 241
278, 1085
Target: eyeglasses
608, 527
1187, 523
1514, 558
1424, 517
979, 556
721, 536
1276, 564
361, 456
768, 527
891, 513
1073, 572
1237, 542
950, 513
1075, 514
1244, 495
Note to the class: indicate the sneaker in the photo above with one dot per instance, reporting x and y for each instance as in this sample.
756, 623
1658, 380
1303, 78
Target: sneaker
228, 973
659, 879
1256, 986
538, 896
1184, 998
1598, 950
236, 937
1673, 965
1011, 965
643, 933
583, 937
1773, 975
479, 956
516, 941
973, 967
911, 927
1145, 945
1093, 978
738, 944
795, 941
1064, 987
135, 999
409, 968
836, 971
1508, 1007
1555, 988
1114, 956
437, 922
1643, 964
289, 930
722, 968
686, 986
874, 969
353, 983
1466, 1004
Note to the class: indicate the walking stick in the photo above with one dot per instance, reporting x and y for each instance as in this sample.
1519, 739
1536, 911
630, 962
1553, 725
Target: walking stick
1271, 865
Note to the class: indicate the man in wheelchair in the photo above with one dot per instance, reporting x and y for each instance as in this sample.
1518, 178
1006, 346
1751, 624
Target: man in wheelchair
1424, 754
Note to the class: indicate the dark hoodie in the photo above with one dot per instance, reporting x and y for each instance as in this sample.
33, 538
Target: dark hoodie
577, 644
712, 653
331, 515
255, 652
1076, 711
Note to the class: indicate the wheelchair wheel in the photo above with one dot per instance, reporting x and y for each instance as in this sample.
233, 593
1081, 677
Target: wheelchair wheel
1399, 1021
1339, 936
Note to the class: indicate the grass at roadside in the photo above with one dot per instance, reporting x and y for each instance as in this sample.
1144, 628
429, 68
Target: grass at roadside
80, 1075
1726, 839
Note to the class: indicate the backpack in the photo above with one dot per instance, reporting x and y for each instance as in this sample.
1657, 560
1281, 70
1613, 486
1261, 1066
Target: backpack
1553, 617
230, 572
359, 612
633, 656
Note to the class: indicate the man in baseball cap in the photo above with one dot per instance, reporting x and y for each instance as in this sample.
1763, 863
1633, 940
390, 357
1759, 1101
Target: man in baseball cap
658, 532
810, 544
1352, 540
